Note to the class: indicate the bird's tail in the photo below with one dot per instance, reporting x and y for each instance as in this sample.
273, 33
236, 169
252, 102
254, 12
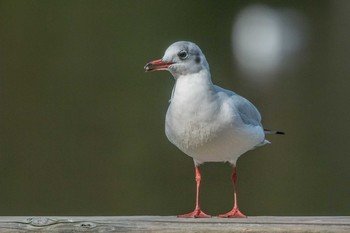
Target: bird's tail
268, 131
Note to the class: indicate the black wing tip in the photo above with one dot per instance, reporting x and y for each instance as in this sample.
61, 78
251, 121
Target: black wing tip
268, 131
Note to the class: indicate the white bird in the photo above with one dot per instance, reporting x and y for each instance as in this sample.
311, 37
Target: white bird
205, 121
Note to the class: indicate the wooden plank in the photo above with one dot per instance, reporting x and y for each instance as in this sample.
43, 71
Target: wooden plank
172, 224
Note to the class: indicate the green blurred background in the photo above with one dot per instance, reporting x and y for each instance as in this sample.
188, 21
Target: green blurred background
82, 125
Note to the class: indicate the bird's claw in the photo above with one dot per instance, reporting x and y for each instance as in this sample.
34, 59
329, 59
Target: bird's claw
197, 213
234, 213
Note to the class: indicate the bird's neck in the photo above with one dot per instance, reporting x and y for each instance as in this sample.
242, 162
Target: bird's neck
192, 87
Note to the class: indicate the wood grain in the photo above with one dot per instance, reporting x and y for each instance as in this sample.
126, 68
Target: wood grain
172, 224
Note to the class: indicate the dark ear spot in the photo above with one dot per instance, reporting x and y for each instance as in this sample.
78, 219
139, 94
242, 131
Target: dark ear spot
198, 59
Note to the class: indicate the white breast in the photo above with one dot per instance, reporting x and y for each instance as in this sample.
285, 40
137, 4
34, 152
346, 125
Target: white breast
203, 125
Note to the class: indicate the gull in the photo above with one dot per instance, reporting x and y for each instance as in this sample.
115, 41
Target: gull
205, 121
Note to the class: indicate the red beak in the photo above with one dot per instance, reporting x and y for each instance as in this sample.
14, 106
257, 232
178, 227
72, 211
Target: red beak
157, 65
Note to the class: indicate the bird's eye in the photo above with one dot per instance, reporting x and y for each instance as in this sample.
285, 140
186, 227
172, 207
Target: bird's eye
182, 54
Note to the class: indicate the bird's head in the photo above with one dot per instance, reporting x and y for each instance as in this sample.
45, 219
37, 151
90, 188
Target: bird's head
180, 58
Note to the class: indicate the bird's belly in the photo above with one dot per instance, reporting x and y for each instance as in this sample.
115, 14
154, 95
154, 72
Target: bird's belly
208, 142
224, 148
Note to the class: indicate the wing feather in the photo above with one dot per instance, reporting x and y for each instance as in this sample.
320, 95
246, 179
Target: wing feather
246, 110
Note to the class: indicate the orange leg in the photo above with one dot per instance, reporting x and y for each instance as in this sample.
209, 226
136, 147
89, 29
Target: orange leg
235, 212
197, 213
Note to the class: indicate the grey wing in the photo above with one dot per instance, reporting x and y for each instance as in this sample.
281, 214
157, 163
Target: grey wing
247, 111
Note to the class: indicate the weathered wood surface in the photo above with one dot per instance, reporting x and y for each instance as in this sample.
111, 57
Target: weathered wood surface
173, 224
